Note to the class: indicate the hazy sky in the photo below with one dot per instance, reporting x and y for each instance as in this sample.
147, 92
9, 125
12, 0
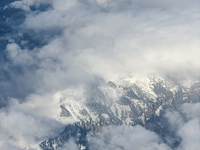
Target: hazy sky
64, 44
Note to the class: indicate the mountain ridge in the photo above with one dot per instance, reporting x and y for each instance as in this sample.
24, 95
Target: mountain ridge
117, 104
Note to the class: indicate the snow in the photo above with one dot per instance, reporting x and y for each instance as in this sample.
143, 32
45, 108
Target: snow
105, 116
119, 109
75, 108
74, 99
158, 110
128, 121
142, 117
140, 103
83, 147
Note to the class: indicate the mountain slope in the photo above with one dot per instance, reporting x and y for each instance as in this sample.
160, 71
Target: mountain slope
125, 102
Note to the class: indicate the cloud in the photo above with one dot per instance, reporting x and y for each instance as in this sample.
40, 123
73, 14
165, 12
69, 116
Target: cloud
128, 138
26, 4
20, 130
189, 132
190, 135
124, 41
69, 145
26, 124
185, 124
19, 56
95, 41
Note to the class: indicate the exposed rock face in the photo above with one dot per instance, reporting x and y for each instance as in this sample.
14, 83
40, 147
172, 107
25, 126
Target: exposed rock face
125, 103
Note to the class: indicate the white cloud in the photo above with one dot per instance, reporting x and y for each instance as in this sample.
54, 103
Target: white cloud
190, 134
128, 138
25, 4
19, 56
174, 119
124, 41
69, 145
27, 124
20, 130
100, 39
185, 124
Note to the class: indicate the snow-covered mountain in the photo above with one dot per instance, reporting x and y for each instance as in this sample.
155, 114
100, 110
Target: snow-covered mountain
128, 101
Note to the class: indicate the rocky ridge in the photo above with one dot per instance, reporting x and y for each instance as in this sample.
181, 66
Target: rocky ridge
127, 102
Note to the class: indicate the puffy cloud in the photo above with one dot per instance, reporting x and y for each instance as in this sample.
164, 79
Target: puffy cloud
95, 41
185, 124
190, 135
69, 145
175, 119
189, 132
25, 125
25, 4
120, 41
21, 131
124, 40
128, 138
19, 56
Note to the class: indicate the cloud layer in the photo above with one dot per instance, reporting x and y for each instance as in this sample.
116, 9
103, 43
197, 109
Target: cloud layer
185, 123
128, 138
120, 37
91, 42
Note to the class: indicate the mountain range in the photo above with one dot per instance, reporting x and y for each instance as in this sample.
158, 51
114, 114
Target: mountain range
125, 102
